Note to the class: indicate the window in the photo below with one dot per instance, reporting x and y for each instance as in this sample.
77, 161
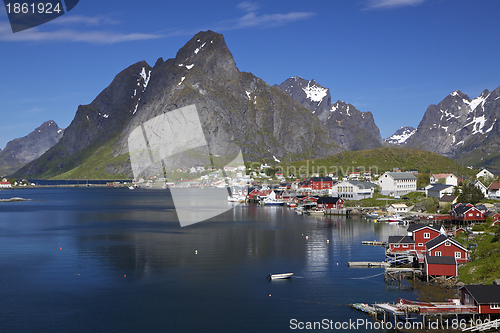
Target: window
495, 306
405, 245
420, 244
437, 253
458, 255
466, 298
427, 235
470, 214
447, 243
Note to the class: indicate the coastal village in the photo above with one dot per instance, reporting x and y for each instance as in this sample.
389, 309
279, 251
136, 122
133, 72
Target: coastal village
432, 250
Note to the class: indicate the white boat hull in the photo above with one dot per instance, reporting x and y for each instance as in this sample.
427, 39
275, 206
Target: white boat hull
280, 276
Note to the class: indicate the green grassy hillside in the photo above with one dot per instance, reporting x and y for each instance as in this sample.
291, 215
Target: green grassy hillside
377, 160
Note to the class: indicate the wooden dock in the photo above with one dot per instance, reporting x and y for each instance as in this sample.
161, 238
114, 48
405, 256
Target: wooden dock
397, 273
374, 243
368, 264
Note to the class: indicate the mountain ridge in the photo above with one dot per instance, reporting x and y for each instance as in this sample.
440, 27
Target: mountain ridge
21, 151
234, 107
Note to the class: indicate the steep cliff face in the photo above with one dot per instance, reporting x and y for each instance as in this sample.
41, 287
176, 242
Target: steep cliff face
459, 126
309, 94
350, 128
21, 151
234, 107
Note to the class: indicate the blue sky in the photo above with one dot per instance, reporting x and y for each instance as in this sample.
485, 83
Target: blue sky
391, 57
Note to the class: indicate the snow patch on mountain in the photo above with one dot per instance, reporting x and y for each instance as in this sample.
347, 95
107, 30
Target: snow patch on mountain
401, 135
315, 92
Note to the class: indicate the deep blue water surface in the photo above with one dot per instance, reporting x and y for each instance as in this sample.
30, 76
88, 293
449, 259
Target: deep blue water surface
115, 260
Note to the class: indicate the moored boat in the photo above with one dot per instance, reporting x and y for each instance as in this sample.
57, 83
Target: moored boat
280, 276
316, 212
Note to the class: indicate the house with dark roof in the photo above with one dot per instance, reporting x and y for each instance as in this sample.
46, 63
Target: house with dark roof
321, 183
494, 190
401, 244
440, 266
447, 200
397, 183
353, 190
466, 212
438, 190
330, 203
488, 173
443, 246
421, 234
494, 215
485, 297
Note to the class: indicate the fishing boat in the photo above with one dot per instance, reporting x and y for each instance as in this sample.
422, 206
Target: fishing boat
372, 215
316, 212
395, 218
280, 276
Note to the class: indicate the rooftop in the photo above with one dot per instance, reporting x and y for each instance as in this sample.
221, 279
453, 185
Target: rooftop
484, 294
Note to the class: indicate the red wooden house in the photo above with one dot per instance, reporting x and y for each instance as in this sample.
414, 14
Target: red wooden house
440, 266
401, 243
330, 203
462, 230
307, 199
321, 183
494, 215
487, 298
443, 246
422, 233
466, 213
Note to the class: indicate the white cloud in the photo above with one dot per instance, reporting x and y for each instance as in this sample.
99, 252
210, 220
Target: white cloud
68, 35
252, 19
86, 20
388, 4
248, 6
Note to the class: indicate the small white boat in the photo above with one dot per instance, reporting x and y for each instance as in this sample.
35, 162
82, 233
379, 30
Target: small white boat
373, 215
316, 212
280, 276
395, 218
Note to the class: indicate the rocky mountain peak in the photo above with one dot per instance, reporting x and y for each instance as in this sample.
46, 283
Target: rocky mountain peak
401, 136
309, 94
21, 151
206, 51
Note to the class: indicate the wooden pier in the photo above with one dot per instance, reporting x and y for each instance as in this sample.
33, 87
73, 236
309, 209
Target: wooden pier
368, 264
397, 273
416, 315
374, 243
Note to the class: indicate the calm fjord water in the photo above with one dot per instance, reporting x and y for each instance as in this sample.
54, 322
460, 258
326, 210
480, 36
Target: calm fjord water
115, 260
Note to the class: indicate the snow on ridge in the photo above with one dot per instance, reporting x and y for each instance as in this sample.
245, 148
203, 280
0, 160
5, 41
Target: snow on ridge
334, 107
199, 48
401, 138
315, 92
276, 160
476, 102
477, 125
182, 80
489, 129
189, 66
145, 77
